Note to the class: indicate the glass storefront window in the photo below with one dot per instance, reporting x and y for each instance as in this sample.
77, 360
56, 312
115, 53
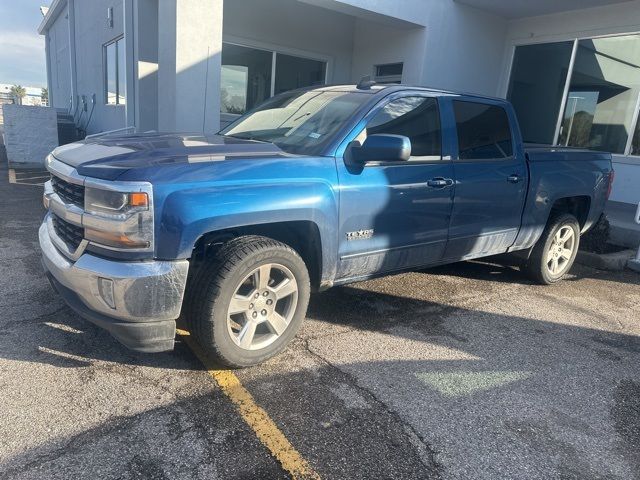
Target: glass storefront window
538, 77
635, 143
121, 72
600, 96
114, 72
111, 93
246, 76
295, 72
603, 93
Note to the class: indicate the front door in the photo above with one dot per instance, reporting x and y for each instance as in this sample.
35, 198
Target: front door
395, 214
491, 182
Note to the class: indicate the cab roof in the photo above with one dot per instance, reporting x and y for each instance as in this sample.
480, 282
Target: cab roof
386, 89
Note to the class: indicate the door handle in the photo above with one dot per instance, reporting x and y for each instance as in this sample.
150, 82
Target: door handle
439, 182
514, 178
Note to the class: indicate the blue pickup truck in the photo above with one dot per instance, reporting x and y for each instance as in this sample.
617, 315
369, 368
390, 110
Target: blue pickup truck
316, 187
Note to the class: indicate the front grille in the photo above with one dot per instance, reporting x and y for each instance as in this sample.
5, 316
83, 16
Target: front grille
69, 233
69, 192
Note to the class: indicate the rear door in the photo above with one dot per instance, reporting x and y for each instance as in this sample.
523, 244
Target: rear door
395, 214
491, 179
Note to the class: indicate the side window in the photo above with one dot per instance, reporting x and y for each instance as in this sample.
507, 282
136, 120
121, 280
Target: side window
414, 117
483, 131
114, 72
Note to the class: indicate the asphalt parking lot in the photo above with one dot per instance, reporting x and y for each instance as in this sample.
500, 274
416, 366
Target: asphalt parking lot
462, 372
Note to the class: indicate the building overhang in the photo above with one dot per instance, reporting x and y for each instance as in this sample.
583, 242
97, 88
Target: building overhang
56, 7
388, 13
527, 8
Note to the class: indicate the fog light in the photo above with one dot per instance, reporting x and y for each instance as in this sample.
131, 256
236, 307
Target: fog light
105, 288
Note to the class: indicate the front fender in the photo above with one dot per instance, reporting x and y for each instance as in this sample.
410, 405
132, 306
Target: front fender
188, 214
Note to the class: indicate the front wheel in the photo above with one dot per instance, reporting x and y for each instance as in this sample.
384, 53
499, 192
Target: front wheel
250, 301
554, 253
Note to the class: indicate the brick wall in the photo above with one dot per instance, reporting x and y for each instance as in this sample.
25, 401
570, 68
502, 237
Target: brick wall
30, 133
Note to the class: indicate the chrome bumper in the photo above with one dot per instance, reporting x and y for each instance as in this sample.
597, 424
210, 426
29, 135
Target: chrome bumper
138, 302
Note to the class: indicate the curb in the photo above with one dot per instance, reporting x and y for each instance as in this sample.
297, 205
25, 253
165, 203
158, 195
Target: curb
615, 262
634, 265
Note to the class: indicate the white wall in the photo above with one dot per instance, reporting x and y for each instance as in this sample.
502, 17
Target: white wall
146, 55
60, 81
613, 19
375, 44
30, 133
464, 48
92, 32
189, 46
461, 48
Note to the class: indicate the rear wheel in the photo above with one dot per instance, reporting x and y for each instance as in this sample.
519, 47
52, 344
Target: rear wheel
556, 250
249, 302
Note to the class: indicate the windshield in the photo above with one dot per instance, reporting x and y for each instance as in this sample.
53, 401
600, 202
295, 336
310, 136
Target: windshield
298, 122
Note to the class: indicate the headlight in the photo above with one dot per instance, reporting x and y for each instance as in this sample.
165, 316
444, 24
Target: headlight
108, 202
117, 219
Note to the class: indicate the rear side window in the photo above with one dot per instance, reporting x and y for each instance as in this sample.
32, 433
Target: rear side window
414, 117
483, 131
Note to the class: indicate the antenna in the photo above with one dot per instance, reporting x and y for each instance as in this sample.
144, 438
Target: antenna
365, 83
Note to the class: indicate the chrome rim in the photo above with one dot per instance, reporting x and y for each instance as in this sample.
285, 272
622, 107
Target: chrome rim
262, 306
561, 250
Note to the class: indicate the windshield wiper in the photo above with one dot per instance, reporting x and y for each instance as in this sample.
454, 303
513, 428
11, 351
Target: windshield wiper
303, 115
241, 137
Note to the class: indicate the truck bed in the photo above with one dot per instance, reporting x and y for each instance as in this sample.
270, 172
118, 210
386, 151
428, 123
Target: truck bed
553, 153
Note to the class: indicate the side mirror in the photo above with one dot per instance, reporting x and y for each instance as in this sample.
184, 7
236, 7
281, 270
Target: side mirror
383, 148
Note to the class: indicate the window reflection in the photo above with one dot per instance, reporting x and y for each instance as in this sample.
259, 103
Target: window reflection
414, 117
114, 74
111, 78
538, 77
483, 131
247, 80
635, 144
295, 72
298, 122
603, 92
121, 71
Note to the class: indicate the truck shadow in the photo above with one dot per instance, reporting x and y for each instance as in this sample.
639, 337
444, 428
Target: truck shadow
63, 339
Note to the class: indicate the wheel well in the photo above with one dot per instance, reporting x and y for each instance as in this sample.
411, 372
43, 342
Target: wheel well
302, 236
577, 206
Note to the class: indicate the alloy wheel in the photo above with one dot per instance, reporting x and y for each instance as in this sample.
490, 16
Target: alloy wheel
561, 250
262, 306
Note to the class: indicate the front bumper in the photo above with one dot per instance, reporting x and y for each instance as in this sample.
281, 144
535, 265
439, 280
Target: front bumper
137, 302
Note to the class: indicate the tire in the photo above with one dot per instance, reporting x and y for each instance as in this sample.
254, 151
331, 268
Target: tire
540, 266
267, 282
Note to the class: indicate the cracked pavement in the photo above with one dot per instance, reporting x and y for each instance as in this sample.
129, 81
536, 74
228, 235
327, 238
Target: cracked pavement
461, 372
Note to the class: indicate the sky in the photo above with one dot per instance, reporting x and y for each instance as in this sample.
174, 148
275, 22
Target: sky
22, 58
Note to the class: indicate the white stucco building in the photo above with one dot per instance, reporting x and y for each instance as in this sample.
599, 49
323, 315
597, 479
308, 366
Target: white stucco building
571, 67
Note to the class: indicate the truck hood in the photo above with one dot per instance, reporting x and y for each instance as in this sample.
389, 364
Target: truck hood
109, 157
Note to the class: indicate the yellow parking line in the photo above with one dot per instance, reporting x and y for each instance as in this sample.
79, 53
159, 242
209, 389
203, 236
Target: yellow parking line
255, 416
12, 175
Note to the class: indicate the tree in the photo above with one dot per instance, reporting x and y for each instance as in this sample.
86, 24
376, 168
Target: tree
18, 92
44, 96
